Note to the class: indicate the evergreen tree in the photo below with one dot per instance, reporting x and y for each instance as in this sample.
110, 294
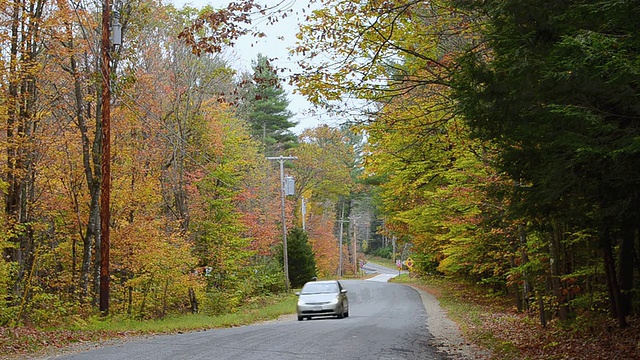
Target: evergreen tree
302, 262
558, 95
267, 112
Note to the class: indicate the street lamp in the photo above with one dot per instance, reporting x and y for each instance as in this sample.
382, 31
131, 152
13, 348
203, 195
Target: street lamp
284, 190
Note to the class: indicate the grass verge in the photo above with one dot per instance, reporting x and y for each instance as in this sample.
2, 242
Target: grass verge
381, 261
24, 342
259, 310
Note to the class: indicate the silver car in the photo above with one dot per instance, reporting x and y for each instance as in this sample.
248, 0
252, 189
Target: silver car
322, 298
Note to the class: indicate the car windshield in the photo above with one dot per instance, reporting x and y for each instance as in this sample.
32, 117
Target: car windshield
320, 288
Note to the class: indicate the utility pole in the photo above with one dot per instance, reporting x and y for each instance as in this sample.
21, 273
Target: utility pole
367, 230
340, 245
108, 29
281, 159
106, 158
303, 212
355, 250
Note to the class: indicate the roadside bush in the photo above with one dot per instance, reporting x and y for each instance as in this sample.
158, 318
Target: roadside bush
426, 263
269, 277
46, 310
218, 302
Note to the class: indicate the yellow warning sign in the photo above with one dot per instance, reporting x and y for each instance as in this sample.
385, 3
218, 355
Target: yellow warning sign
409, 263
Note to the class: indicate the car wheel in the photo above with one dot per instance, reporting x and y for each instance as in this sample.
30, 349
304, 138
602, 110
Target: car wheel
300, 318
346, 314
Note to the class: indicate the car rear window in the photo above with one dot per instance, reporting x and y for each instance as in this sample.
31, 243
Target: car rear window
320, 288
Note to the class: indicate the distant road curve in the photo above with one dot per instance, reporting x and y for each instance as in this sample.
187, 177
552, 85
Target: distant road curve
384, 273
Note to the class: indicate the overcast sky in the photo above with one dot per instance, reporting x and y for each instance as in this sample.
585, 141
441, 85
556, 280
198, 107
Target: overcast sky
280, 37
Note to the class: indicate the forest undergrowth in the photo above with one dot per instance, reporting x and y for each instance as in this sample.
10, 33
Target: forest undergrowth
493, 322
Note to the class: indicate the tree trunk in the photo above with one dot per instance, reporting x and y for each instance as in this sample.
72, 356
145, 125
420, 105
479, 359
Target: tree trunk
612, 282
526, 282
89, 236
164, 298
543, 316
626, 267
12, 197
21, 126
193, 301
145, 293
95, 196
129, 300
556, 272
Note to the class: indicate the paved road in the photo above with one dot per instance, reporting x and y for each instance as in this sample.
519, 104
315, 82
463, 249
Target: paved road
387, 321
384, 273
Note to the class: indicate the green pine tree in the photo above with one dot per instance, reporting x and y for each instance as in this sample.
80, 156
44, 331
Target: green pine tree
302, 262
267, 114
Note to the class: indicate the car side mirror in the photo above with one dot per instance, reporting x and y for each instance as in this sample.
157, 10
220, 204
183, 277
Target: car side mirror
297, 293
344, 291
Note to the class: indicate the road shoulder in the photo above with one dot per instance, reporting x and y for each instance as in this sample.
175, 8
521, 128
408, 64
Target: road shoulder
447, 338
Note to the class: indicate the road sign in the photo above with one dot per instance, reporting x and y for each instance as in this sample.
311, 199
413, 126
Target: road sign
409, 263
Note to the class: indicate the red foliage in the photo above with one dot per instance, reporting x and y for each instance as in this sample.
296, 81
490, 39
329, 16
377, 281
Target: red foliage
324, 244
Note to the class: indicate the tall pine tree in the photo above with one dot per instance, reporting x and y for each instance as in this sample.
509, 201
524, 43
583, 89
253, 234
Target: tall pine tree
267, 111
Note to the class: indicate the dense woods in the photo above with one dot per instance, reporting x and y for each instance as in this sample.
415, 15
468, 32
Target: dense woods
195, 204
502, 137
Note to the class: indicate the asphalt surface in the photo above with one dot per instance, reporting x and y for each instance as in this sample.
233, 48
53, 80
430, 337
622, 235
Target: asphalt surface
386, 321
384, 273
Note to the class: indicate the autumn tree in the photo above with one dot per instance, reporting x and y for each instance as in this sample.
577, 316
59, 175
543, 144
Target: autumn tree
380, 56
74, 85
23, 23
322, 171
325, 161
207, 162
375, 51
182, 158
324, 242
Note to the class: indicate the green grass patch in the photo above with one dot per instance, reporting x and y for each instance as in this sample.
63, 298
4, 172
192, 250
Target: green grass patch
381, 261
260, 310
